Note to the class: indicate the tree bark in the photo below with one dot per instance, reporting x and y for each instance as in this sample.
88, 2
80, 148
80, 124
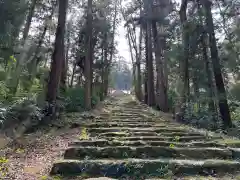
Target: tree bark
132, 38
73, 74
222, 97
106, 66
146, 71
29, 20
102, 73
138, 67
87, 66
150, 81
14, 82
34, 61
132, 58
184, 62
211, 103
114, 30
211, 87
161, 89
58, 56
65, 63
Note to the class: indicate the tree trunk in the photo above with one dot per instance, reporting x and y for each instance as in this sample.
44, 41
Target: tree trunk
87, 66
65, 64
223, 104
106, 67
34, 60
146, 71
211, 87
138, 67
58, 56
114, 30
161, 89
132, 58
184, 63
107, 71
150, 81
73, 74
102, 74
132, 37
28, 21
14, 82
195, 81
165, 67
211, 103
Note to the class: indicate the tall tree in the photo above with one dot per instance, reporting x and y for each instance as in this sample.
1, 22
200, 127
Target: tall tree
222, 97
184, 62
149, 64
29, 20
207, 63
138, 64
107, 70
88, 60
35, 58
161, 89
58, 56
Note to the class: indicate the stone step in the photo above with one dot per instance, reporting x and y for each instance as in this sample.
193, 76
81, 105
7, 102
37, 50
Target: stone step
139, 168
140, 113
96, 125
104, 142
127, 111
124, 121
146, 152
128, 125
126, 114
136, 133
137, 117
174, 131
129, 117
158, 138
126, 134
132, 111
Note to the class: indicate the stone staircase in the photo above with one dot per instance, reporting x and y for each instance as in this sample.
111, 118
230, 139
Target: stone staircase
131, 142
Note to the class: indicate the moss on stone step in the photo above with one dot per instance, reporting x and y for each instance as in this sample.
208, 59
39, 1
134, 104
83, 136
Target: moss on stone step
144, 152
113, 124
102, 142
126, 134
132, 130
230, 142
126, 121
173, 130
144, 168
161, 138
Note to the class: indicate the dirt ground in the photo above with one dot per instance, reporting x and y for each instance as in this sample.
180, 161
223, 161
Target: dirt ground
33, 156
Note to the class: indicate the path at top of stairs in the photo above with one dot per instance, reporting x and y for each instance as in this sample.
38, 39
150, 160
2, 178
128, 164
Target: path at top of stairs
130, 141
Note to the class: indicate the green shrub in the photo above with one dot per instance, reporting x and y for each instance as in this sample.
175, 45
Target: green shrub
235, 115
201, 117
3, 91
172, 96
22, 110
3, 74
75, 99
234, 91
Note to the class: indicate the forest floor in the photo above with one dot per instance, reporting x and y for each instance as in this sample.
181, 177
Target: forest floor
31, 157
121, 134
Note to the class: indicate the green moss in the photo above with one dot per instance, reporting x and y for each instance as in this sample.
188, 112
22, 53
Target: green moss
230, 142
